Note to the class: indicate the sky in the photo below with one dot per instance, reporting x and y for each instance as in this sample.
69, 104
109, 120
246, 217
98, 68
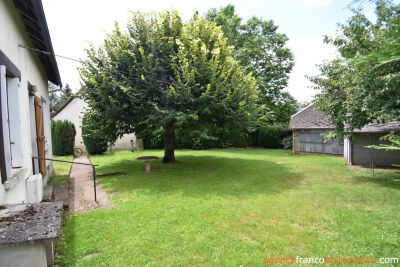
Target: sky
74, 24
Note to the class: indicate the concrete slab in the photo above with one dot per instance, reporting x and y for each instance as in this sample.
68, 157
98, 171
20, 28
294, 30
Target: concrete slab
27, 223
47, 193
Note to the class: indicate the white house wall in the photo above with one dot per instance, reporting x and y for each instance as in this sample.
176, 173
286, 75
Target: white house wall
124, 142
11, 35
74, 112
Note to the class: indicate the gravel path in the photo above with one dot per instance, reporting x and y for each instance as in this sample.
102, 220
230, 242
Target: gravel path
81, 193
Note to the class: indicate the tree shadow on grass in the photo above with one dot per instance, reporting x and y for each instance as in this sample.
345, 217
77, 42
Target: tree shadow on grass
200, 176
390, 179
192, 176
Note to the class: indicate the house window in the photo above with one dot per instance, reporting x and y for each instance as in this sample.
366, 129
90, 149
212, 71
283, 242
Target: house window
5, 148
10, 125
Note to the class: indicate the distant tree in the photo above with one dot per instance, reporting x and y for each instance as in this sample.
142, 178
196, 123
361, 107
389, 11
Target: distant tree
93, 134
169, 75
362, 84
262, 51
58, 97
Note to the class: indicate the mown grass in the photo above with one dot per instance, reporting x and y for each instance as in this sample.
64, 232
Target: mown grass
234, 207
60, 171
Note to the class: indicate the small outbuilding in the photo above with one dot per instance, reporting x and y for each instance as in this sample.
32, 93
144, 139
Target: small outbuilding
309, 126
356, 151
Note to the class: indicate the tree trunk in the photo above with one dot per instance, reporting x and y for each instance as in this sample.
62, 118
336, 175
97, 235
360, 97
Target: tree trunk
169, 152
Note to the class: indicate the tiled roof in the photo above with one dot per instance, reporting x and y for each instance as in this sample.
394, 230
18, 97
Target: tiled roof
309, 118
379, 128
34, 19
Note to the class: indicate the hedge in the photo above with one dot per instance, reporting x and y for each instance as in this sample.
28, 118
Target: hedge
270, 136
63, 137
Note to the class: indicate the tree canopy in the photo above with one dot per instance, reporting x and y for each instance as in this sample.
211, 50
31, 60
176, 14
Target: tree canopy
162, 73
361, 85
262, 51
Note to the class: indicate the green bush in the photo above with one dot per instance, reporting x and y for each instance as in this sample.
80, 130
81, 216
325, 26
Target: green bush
287, 142
269, 136
202, 140
63, 137
152, 139
94, 141
211, 138
237, 138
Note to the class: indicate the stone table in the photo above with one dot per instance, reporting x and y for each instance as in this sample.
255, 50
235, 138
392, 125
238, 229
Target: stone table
147, 160
27, 232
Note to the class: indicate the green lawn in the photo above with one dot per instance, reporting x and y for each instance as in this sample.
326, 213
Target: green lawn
234, 207
60, 173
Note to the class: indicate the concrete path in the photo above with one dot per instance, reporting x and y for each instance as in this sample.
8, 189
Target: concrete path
81, 193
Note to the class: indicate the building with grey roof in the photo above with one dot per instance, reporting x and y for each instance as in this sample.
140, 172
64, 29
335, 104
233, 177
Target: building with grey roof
356, 151
309, 126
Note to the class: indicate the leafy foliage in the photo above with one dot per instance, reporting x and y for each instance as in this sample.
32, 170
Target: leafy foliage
165, 74
393, 139
362, 84
270, 136
63, 137
93, 138
262, 51
287, 142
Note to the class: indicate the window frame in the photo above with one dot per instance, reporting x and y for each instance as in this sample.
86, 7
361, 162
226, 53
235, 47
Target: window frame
7, 69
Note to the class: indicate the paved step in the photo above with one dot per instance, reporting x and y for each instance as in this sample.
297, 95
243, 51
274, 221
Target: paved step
61, 194
48, 193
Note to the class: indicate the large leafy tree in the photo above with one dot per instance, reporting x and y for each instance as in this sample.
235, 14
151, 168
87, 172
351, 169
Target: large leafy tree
362, 84
163, 73
261, 49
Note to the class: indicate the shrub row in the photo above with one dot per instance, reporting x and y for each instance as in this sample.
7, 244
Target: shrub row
63, 137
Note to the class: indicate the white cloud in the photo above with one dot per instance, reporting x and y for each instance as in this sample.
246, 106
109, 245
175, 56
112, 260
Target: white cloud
308, 53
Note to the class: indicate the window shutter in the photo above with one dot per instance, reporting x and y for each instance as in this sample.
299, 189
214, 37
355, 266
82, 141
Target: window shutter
13, 94
5, 150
